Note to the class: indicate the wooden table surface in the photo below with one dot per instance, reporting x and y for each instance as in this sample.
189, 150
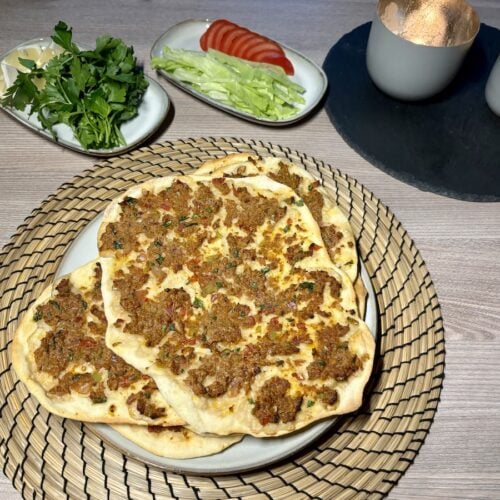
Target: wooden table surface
459, 241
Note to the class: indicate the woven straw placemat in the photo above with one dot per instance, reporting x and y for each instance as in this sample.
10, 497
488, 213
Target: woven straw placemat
364, 455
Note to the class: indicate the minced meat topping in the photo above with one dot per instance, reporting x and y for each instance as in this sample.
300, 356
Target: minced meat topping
76, 338
331, 236
274, 404
284, 176
332, 358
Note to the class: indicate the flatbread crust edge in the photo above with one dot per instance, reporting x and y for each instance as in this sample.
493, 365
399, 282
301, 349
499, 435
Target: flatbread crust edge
350, 399
177, 444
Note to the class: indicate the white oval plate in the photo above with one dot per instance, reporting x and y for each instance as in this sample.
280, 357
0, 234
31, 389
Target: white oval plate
250, 453
186, 35
151, 113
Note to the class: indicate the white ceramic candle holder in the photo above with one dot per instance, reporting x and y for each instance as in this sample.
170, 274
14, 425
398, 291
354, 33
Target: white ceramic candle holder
416, 47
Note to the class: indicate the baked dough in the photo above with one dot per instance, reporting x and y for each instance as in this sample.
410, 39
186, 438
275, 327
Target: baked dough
175, 442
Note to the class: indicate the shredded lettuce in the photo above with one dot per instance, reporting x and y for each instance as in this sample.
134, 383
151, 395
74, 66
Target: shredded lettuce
261, 90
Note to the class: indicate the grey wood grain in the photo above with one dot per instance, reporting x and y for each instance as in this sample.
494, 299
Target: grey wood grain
459, 241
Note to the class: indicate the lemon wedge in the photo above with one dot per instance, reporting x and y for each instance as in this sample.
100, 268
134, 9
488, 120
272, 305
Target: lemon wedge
12, 59
3, 85
41, 55
47, 54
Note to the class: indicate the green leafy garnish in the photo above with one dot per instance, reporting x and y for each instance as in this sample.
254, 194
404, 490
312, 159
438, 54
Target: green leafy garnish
91, 91
55, 304
130, 201
97, 399
309, 285
198, 303
262, 90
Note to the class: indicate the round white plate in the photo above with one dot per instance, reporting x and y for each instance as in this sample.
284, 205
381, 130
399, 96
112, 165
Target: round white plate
186, 35
250, 453
151, 112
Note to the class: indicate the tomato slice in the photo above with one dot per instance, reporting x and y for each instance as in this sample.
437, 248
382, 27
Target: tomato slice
221, 33
203, 41
241, 48
207, 39
203, 38
270, 54
242, 43
261, 47
275, 58
230, 38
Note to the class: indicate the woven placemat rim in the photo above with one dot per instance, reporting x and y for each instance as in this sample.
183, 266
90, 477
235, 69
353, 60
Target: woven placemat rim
9, 246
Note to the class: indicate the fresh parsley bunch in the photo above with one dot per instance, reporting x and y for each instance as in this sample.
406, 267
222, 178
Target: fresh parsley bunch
92, 91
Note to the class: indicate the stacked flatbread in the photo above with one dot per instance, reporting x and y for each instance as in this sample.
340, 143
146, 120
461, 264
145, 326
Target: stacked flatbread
60, 353
222, 304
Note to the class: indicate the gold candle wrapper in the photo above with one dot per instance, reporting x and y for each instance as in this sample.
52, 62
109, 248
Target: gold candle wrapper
434, 23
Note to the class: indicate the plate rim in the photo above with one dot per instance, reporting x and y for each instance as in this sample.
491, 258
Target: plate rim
100, 153
302, 114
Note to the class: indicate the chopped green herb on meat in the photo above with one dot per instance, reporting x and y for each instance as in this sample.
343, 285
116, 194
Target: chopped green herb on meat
198, 303
309, 285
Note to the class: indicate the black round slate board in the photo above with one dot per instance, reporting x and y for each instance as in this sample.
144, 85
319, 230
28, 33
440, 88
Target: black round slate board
448, 144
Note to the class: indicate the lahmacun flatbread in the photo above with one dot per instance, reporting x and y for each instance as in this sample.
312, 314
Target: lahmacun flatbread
334, 226
223, 291
175, 442
60, 354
